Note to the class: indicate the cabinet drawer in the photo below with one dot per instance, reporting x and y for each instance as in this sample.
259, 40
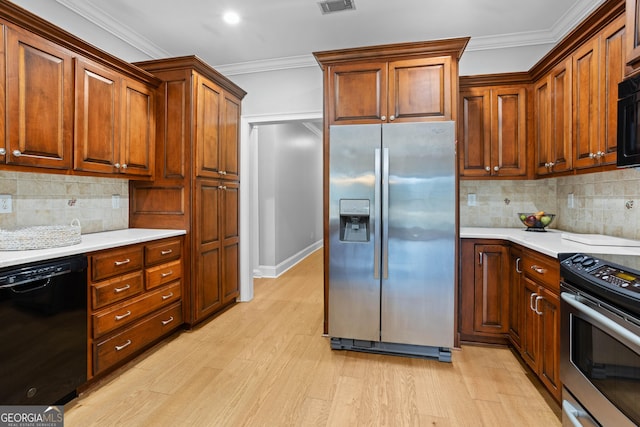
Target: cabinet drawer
111, 263
124, 313
164, 251
161, 274
116, 289
112, 350
542, 269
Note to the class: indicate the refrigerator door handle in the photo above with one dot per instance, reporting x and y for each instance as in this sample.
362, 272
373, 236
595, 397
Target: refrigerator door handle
385, 213
376, 215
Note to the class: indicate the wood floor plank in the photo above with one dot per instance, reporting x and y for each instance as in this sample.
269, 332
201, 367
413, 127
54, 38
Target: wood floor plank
266, 363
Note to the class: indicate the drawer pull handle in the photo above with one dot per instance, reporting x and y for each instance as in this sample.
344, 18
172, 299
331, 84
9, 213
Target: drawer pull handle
123, 262
164, 297
122, 289
123, 346
166, 252
538, 270
166, 322
167, 274
122, 316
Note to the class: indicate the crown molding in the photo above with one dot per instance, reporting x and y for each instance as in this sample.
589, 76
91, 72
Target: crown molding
562, 27
100, 18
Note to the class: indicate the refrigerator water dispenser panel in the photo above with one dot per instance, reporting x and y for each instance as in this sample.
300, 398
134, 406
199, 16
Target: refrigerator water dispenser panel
354, 220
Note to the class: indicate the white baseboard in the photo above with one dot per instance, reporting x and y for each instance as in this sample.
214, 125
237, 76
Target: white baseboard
271, 271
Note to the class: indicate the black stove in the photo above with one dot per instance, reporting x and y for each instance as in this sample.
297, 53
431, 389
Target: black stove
614, 278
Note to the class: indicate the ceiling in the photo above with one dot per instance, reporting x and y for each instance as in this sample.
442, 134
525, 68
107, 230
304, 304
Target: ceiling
290, 30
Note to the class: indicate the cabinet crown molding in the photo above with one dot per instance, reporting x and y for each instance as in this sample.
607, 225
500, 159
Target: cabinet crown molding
444, 47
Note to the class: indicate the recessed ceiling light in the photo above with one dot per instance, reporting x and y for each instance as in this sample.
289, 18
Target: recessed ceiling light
231, 17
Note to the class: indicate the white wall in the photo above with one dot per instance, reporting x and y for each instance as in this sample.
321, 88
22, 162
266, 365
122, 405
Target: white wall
289, 195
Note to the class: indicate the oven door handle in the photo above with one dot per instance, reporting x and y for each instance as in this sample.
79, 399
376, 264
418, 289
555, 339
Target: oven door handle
612, 327
574, 414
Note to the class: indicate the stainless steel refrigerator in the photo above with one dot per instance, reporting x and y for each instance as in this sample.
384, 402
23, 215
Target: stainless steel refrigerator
392, 233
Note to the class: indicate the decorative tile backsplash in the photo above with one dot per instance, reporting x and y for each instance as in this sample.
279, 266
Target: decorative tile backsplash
603, 203
51, 199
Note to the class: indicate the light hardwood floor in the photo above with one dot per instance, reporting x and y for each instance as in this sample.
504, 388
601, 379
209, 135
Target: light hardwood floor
266, 363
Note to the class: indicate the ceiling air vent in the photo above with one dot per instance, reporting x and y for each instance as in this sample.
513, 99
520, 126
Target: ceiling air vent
336, 6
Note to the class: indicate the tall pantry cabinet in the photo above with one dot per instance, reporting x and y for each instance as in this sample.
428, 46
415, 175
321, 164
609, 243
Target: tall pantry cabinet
197, 178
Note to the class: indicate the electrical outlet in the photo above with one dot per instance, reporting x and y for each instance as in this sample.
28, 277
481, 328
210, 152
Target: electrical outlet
5, 203
115, 201
471, 199
570, 201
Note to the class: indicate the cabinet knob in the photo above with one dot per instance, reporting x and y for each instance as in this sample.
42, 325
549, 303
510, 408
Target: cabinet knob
592, 155
488, 169
124, 166
392, 118
496, 168
117, 165
17, 153
222, 172
383, 118
222, 187
3, 151
600, 154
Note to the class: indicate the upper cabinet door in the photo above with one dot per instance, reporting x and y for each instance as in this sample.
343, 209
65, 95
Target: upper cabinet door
39, 102
357, 93
586, 111
475, 132
137, 152
508, 131
420, 90
632, 34
230, 137
208, 100
97, 140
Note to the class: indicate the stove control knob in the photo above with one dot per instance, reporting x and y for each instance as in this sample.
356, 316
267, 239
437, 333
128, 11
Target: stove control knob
605, 277
578, 258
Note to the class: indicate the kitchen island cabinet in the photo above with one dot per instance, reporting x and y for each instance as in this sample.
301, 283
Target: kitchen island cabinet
197, 179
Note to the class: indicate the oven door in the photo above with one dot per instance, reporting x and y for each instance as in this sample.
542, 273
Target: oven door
600, 359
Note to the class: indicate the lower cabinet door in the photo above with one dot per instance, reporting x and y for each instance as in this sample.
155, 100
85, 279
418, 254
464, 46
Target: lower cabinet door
116, 348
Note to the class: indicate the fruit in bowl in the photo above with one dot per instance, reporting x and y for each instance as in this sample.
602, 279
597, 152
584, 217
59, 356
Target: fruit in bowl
536, 221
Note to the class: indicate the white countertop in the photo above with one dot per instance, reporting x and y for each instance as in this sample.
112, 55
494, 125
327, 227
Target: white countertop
550, 242
90, 242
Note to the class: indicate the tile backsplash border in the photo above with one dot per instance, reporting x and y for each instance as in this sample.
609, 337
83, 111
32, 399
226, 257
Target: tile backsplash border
603, 203
52, 199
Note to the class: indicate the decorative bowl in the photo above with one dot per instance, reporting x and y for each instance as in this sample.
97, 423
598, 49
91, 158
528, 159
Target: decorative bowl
536, 221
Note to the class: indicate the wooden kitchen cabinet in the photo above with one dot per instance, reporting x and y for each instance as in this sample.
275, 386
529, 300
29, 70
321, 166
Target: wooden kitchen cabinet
135, 299
217, 132
553, 120
392, 83
115, 122
632, 36
492, 131
484, 291
39, 90
540, 306
516, 289
51, 127
196, 184
217, 237
598, 67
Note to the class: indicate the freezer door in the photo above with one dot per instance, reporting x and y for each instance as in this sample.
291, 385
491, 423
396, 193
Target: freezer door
354, 284
419, 250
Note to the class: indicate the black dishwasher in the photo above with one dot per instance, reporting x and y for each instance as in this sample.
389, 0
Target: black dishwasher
43, 331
